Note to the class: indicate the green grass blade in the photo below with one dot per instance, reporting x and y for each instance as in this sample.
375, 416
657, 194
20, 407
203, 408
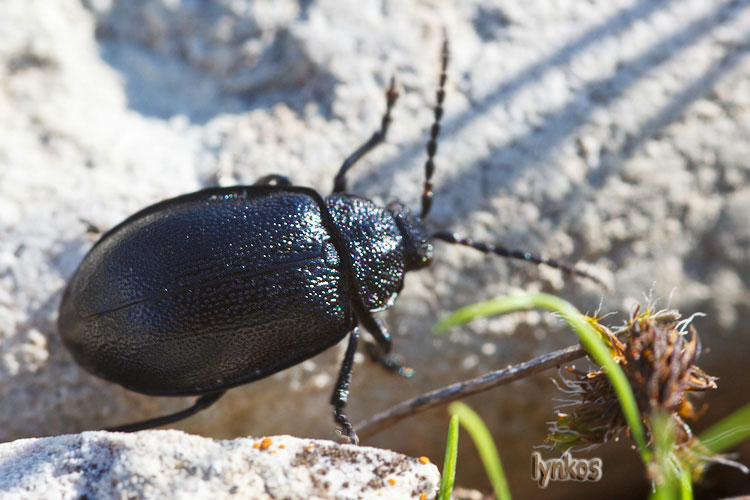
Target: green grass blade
449, 466
671, 479
502, 305
479, 433
589, 339
728, 432
686, 485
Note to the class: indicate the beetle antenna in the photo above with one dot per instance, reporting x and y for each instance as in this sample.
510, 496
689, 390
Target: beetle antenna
429, 166
515, 254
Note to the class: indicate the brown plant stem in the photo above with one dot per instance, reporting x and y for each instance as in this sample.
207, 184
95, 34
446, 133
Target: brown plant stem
466, 388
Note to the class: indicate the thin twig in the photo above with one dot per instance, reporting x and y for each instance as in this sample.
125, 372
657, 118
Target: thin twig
459, 390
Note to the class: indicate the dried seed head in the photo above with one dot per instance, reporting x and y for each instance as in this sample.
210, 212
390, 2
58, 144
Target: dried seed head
658, 360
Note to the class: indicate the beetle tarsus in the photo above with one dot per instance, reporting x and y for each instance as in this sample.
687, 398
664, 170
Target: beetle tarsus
392, 362
345, 428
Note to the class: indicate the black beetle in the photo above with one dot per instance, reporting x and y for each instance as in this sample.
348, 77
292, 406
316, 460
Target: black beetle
214, 289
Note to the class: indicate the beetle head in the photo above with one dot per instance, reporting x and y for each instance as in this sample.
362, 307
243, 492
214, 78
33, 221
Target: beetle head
416, 244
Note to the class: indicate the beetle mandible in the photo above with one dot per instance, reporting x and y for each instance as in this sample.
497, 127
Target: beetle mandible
210, 290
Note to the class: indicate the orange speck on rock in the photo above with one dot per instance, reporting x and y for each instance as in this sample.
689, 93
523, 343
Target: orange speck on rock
282, 446
309, 447
424, 460
392, 481
265, 443
423, 496
256, 445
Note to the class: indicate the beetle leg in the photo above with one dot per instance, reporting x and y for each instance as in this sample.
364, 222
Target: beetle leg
91, 228
380, 350
341, 392
339, 182
201, 403
273, 179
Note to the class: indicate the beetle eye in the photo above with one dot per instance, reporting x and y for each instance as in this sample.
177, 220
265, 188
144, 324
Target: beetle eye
420, 255
425, 253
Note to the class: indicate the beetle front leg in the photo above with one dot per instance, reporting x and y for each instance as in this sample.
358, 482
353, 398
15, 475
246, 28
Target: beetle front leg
340, 394
380, 350
339, 182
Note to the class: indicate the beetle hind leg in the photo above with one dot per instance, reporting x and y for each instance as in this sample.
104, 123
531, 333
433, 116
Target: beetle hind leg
201, 403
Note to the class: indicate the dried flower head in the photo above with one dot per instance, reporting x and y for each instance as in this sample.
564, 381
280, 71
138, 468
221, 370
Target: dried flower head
654, 351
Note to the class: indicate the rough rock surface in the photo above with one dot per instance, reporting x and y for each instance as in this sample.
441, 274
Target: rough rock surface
615, 133
171, 464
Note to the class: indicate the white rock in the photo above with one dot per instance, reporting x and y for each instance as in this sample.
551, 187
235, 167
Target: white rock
174, 465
